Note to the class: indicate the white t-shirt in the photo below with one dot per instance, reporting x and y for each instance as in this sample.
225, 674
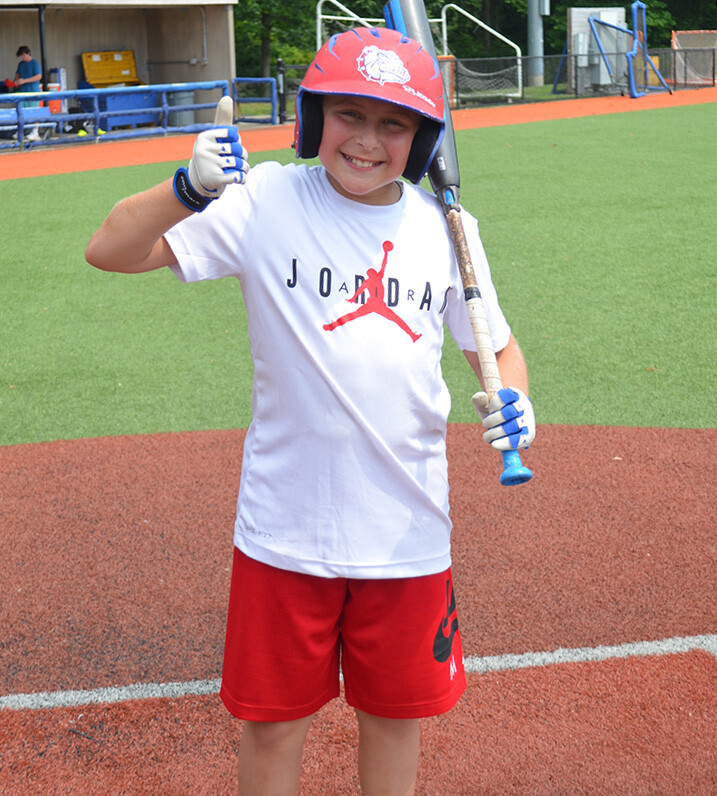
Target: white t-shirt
344, 471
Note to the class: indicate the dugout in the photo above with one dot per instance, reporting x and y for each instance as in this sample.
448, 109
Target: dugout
173, 41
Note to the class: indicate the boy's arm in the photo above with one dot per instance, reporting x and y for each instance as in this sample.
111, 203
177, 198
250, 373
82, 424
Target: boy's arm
508, 417
511, 365
21, 81
131, 238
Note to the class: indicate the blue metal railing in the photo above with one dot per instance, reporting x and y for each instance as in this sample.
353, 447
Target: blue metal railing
97, 109
272, 98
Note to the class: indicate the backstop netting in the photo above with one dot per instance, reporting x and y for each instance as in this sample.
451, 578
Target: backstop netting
694, 56
607, 61
642, 73
480, 79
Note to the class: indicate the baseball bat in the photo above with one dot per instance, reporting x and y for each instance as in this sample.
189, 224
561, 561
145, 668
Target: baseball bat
409, 17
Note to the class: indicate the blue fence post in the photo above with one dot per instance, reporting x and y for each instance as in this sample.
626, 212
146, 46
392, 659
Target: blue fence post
272, 98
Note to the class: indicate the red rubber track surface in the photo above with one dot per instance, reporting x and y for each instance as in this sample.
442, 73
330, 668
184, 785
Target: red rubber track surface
87, 156
115, 557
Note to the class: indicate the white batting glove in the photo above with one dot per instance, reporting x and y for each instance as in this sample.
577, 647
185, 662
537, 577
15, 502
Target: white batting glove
218, 160
508, 418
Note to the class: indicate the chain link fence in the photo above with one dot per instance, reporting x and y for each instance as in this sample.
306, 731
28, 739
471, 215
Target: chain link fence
474, 81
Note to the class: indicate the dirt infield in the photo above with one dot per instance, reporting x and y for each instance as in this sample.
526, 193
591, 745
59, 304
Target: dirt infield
614, 518
115, 556
118, 577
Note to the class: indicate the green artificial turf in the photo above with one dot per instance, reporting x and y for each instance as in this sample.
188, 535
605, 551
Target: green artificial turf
600, 232
602, 239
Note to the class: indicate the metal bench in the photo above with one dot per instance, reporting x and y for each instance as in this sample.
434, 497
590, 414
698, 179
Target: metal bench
18, 119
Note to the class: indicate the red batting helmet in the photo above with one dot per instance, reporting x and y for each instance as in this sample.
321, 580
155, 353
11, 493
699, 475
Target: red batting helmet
380, 64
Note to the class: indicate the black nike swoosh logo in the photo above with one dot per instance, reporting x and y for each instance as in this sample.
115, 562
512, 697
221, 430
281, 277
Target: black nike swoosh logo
443, 644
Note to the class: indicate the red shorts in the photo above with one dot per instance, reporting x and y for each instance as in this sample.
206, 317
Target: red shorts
396, 642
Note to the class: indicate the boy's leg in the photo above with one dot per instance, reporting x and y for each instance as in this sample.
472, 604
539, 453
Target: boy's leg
402, 656
281, 654
270, 757
388, 755
402, 660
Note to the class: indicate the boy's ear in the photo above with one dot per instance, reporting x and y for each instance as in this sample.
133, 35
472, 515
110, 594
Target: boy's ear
312, 125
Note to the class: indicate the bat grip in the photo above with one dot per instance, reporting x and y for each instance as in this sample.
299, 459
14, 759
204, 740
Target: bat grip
514, 471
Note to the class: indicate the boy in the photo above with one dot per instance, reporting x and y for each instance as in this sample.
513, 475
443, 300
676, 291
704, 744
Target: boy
27, 78
29, 73
342, 535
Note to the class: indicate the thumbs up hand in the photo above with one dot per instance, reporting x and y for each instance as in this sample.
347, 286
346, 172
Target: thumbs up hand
219, 157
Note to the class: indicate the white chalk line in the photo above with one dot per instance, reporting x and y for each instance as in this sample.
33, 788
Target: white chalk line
473, 665
668, 646
70, 699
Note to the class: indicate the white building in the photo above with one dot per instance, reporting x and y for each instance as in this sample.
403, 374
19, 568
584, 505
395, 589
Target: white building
173, 42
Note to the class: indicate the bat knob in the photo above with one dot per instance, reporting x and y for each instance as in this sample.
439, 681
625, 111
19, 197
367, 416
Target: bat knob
514, 472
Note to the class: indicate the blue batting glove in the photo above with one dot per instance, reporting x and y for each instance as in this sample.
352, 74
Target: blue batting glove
508, 418
219, 157
218, 160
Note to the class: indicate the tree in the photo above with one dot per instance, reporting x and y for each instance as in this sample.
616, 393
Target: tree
265, 29
663, 16
271, 29
692, 14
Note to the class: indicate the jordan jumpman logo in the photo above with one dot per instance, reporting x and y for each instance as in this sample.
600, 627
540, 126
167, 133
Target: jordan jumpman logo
375, 300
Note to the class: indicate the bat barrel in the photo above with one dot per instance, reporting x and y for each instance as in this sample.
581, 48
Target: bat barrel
514, 471
410, 18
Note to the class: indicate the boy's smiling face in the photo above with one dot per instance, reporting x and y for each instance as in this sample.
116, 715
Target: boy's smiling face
364, 147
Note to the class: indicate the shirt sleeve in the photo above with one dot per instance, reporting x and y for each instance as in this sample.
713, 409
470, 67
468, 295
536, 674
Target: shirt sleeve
218, 242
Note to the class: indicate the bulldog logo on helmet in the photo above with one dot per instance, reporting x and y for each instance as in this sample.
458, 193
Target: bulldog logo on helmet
382, 66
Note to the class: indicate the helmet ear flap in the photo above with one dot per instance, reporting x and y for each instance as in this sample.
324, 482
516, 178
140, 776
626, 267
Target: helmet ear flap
310, 113
425, 143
